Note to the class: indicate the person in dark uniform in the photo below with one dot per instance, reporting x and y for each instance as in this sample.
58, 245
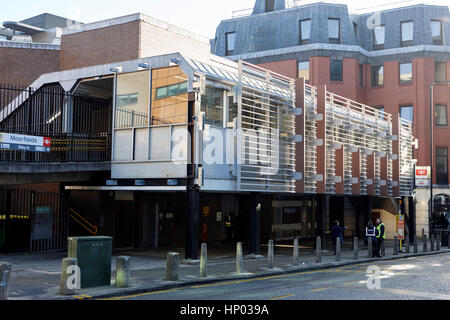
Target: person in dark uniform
371, 234
337, 234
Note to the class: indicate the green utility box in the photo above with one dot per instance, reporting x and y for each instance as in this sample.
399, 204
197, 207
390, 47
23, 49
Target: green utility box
94, 256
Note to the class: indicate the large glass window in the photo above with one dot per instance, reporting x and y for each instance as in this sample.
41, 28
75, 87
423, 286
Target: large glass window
303, 70
440, 71
334, 30
232, 109
230, 42
305, 31
442, 165
407, 112
212, 106
441, 115
377, 76
406, 73
169, 96
378, 38
436, 32
336, 70
132, 99
407, 30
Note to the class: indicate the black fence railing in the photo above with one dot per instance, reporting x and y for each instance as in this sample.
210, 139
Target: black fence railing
65, 147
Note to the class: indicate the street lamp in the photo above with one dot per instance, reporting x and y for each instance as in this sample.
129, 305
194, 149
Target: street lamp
431, 151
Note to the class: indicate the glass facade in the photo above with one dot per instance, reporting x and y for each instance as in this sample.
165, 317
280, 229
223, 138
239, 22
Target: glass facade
132, 99
169, 96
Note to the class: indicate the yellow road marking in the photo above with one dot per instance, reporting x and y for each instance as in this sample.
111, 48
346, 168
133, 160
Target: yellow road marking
353, 282
140, 294
321, 289
286, 296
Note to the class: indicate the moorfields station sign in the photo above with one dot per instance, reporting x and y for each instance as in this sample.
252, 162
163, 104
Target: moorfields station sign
24, 143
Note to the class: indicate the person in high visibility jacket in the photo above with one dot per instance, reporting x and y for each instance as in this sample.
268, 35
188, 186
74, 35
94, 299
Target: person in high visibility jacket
371, 234
381, 236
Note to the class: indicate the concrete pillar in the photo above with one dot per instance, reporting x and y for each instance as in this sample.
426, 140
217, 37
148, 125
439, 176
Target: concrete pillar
395, 246
203, 260
123, 272
425, 242
239, 259
338, 250
296, 261
173, 262
355, 248
416, 249
369, 247
318, 250
270, 255
5, 274
69, 280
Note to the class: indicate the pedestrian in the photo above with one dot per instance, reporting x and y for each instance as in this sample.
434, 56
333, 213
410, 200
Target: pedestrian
371, 234
381, 236
337, 234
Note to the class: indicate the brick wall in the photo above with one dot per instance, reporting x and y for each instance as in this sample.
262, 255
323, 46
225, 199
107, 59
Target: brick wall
21, 67
100, 46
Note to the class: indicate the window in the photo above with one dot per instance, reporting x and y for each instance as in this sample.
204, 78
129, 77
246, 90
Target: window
378, 38
407, 30
361, 75
441, 115
303, 70
230, 42
440, 71
380, 112
355, 29
127, 99
377, 76
336, 70
442, 165
436, 32
405, 71
232, 109
305, 31
334, 30
212, 106
171, 91
269, 5
407, 112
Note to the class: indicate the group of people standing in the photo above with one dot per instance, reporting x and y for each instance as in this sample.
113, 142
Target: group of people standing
374, 234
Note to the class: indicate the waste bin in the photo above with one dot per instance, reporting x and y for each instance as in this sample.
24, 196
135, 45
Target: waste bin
94, 259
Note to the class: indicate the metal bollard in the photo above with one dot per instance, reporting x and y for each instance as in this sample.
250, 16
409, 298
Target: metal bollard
416, 250
296, 261
123, 272
70, 280
369, 248
173, 262
318, 250
239, 259
438, 241
270, 255
204, 260
425, 243
5, 274
355, 248
395, 246
338, 250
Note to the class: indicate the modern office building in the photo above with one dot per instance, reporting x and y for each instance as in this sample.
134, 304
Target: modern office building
158, 143
386, 59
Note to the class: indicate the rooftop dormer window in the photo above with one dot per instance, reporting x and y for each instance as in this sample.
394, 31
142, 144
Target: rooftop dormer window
270, 5
407, 30
334, 30
436, 32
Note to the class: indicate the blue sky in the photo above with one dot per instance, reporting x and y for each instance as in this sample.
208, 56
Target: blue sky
200, 16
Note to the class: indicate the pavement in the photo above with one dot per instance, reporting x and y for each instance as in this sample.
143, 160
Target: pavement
37, 276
